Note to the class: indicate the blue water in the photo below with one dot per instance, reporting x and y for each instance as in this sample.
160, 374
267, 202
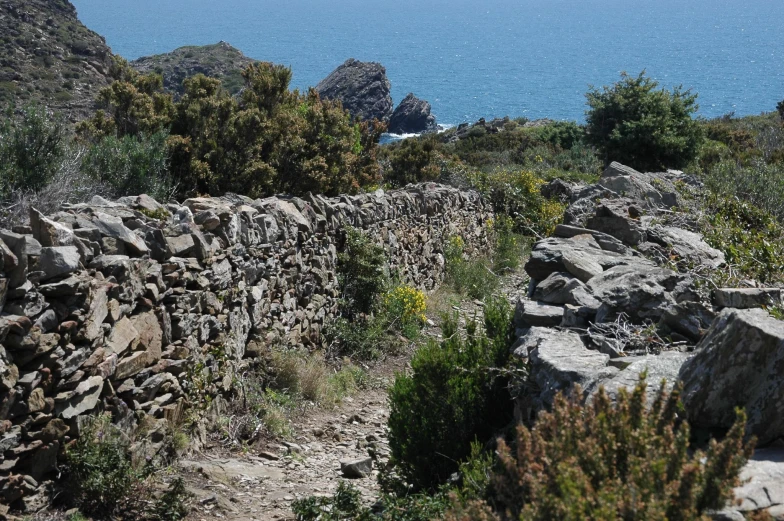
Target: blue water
473, 59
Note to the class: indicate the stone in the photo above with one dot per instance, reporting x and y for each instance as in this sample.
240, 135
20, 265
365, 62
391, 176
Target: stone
547, 256
82, 399
131, 365
762, 481
739, 363
412, 116
745, 298
582, 267
642, 293
559, 360
531, 313
179, 246
612, 217
640, 187
557, 289
687, 246
50, 233
97, 312
121, 336
362, 88
357, 469
57, 261
111, 226
664, 366
690, 319
150, 335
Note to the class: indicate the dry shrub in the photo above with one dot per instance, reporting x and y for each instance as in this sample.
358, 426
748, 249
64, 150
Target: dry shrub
609, 461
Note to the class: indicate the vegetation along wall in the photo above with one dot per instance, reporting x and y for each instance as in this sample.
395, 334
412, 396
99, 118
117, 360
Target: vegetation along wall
138, 309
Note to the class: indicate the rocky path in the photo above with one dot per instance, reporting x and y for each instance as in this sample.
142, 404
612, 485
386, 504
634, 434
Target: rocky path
262, 484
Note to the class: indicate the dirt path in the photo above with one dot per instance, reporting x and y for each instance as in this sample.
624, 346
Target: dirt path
262, 484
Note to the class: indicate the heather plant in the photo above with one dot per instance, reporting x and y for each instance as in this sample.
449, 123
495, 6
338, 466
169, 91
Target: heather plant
629, 459
454, 395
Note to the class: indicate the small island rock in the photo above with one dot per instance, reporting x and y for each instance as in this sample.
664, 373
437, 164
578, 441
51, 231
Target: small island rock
412, 116
362, 87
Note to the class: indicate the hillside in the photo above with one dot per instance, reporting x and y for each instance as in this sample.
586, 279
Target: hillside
47, 55
219, 60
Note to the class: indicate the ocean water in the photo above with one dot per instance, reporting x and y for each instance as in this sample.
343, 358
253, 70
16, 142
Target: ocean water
473, 58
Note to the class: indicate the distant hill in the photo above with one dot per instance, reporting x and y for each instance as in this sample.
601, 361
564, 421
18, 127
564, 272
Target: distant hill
219, 60
48, 56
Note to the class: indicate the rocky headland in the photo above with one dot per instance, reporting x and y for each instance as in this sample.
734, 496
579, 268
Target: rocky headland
220, 60
48, 56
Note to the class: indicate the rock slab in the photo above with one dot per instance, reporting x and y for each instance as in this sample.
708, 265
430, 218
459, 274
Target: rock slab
739, 363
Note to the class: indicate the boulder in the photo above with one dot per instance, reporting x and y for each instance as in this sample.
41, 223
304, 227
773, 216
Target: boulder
111, 226
618, 218
412, 116
642, 293
559, 360
362, 88
739, 363
56, 261
81, 400
762, 484
650, 190
547, 256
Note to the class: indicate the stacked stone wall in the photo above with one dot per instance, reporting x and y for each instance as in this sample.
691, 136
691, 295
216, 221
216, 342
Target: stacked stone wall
136, 309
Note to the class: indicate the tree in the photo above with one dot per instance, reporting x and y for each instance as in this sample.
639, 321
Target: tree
780, 108
638, 125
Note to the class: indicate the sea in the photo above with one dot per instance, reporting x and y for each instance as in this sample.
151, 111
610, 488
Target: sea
476, 59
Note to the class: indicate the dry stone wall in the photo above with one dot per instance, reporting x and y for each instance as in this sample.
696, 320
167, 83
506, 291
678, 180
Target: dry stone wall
136, 309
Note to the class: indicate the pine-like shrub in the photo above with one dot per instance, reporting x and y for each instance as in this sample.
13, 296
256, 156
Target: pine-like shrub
611, 461
454, 395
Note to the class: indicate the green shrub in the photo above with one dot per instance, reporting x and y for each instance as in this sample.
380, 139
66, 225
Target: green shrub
267, 140
32, 146
131, 165
780, 109
510, 247
361, 273
102, 480
517, 194
751, 239
758, 183
609, 461
454, 396
412, 161
642, 127
100, 474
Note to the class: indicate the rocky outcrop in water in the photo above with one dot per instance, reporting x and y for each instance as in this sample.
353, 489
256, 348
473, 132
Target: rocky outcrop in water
412, 116
139, 310
362, 87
